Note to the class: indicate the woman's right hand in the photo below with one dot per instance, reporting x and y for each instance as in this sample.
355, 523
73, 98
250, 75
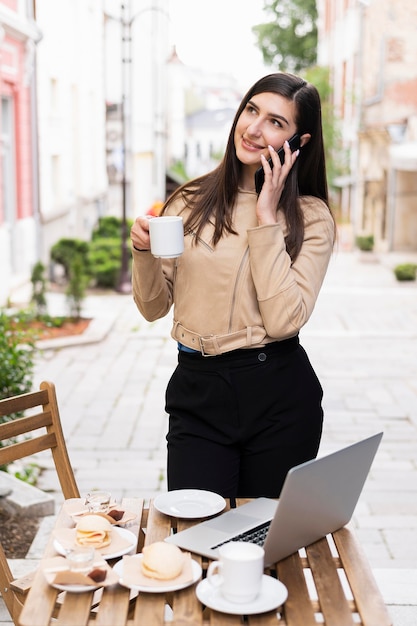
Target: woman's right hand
139, 233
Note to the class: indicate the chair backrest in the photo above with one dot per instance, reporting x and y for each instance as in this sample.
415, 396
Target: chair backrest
43, 424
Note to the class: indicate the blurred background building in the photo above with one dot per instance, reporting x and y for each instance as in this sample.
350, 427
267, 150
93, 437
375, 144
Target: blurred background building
19, 199
371, 49
101, 117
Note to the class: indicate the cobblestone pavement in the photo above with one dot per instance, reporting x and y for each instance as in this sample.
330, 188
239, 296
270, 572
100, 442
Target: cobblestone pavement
362, 342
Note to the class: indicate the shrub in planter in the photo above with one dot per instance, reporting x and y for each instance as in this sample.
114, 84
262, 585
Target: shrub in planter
77, 284
405, 271
65, 250
38, 281
365, 242
105, 261
17, 354
110, 227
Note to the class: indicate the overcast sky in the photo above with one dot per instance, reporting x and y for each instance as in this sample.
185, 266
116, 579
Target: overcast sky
215, 35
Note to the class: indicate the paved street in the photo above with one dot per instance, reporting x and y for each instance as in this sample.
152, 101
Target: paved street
362, 341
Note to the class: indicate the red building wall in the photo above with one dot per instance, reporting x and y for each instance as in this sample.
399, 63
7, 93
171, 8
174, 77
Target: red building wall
13, 84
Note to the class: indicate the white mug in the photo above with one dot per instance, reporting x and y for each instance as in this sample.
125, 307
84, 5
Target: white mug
167, 236
238, 572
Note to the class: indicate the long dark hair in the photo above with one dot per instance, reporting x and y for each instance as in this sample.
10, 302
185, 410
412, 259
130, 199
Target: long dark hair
212, 196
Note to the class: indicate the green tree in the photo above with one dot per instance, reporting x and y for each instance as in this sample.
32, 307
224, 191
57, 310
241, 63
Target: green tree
336, 158
289, 41
39, 288
77, 285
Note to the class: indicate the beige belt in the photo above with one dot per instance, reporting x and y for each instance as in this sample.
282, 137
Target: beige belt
211, 345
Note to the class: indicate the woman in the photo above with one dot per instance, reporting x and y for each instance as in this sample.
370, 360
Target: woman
244, 403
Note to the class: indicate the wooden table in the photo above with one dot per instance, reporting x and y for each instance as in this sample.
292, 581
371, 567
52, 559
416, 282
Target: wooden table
329, 583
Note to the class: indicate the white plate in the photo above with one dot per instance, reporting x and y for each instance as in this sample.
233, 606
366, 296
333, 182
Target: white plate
273, 594
126, 534
58, 564
169, 586
75, 588
190, 503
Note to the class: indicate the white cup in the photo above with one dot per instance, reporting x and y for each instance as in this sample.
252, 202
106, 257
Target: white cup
167, 236
238, 572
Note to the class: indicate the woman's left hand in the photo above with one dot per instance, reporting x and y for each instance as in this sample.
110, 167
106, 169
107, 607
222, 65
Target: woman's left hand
266, 208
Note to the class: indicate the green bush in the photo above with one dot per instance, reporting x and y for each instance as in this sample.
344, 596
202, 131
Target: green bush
105, 261
77, 284
65, 250
365, 242
405, 271
110, 227
100, 258
17, 352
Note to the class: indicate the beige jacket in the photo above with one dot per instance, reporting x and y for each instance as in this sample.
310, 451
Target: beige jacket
244, 292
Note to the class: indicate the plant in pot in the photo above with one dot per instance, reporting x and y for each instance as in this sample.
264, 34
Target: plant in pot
405, 271
365, 243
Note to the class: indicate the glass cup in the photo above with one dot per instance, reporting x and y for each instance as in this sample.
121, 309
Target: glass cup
98, 501
81, 559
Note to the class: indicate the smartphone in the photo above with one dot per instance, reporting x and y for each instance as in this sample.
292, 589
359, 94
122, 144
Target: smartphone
260, 174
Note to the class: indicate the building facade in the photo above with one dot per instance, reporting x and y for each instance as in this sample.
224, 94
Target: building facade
19, 207
96, 109
71, 119
371, 49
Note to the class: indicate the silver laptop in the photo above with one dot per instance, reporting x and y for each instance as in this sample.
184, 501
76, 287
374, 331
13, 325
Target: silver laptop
318, 497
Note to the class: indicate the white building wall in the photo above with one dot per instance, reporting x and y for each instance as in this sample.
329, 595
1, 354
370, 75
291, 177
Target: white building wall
71, 113
371, 47
142, 80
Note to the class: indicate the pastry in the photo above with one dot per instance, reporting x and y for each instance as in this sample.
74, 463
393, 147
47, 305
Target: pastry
93, 530
162, 561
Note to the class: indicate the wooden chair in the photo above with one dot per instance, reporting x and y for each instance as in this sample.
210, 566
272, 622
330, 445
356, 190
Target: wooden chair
44, 427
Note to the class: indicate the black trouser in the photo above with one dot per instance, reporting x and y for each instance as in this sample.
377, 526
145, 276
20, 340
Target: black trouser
238, 422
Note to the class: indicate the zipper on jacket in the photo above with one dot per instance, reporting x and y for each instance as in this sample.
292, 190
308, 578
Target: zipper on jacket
199, 240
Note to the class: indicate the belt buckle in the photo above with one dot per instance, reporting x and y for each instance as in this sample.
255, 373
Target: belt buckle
201, 340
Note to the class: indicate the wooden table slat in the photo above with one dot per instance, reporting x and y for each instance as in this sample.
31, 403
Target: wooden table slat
298, 608
159, 526
369, 601
149, 610
267, 619
188, 608
113, 608
224, 619
76, 610
332, 600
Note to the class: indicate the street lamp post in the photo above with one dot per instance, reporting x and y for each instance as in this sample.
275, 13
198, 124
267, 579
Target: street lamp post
124, 284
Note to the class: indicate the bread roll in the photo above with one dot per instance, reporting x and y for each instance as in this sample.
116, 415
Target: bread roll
162, 561
93, 530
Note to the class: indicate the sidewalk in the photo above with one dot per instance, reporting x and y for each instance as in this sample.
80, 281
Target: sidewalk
362, 342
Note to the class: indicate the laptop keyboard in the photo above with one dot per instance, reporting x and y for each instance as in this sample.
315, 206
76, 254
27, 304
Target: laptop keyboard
254, 535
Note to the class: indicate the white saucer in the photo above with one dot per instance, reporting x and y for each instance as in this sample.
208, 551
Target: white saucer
273, 594
190, 503
75, 588
172, 585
